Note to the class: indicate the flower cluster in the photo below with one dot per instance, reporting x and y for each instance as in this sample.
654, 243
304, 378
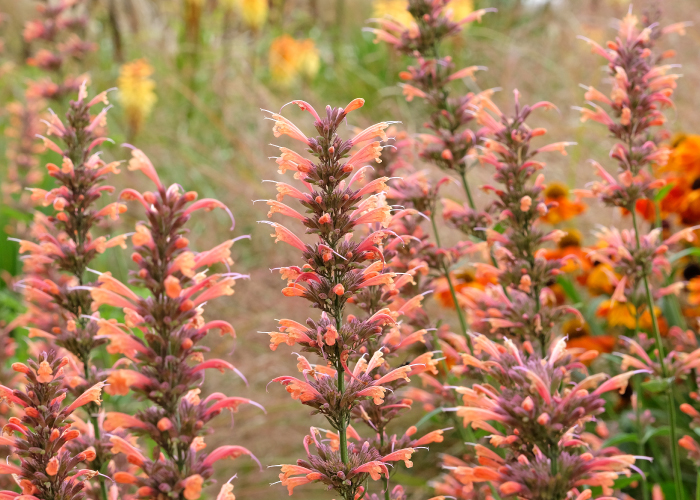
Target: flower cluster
450, 143
523, 304
535, 417
56, 265
54, 38
160, 338
641, 87
42, 435
338, 270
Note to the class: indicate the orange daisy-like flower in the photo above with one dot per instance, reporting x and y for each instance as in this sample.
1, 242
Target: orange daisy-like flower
683, 173
461, 280
575, 257
580, 337
623, 314
561, 208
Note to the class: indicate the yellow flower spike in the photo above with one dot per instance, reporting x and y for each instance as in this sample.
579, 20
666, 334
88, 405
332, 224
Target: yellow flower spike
137, 93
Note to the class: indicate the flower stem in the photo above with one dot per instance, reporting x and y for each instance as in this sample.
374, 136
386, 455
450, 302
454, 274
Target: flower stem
343, 427
467, 191
96, 430
675, 456
446, 270
697, 487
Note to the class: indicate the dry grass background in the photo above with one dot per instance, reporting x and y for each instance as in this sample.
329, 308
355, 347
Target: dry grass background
222, 152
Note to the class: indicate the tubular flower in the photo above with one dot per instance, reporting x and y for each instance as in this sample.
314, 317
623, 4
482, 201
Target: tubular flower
168, 326
48, 465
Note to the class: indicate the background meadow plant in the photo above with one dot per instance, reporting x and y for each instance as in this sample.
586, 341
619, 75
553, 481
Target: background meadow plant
205, 132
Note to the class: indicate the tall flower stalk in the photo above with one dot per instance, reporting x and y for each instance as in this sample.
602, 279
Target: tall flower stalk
58, 263
523, 305
641, 87
450, 143
335, 271
161, 337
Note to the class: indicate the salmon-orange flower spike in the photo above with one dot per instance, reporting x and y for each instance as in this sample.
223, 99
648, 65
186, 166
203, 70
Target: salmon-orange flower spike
48, 429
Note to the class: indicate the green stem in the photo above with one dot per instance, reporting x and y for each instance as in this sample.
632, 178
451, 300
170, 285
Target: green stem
468, 192
385, 479
343, 427
671, 406
638, 413
697, 487
98, 437
446, 270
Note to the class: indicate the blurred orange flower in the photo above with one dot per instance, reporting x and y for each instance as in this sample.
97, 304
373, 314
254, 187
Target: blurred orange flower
565, 209
290, 58
569, 248
580, 337
683, 169
461, 279
623, 314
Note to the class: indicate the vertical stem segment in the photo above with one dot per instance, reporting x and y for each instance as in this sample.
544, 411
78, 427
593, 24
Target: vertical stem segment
96, 429
460, 313
671, 405
467, 191
343, 424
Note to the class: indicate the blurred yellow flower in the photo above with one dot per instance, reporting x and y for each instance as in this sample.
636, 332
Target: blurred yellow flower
309, 58
461, 8
253, 12
136, 92
290, 58
398, 10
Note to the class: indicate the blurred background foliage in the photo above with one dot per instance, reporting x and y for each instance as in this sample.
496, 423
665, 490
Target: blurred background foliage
193, 76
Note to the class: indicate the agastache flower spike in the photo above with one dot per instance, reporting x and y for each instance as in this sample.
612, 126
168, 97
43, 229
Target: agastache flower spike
539, 415
450, 143
48, 466
168, 326
522, 271
58, 282
640, 90
334, 272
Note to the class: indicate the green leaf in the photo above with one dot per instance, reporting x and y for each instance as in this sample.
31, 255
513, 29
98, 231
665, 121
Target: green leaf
653, 433
672, 311
428, 416
695, 252
569, 289
622, 438
656, 385
663, 192
499, 228
623, 482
